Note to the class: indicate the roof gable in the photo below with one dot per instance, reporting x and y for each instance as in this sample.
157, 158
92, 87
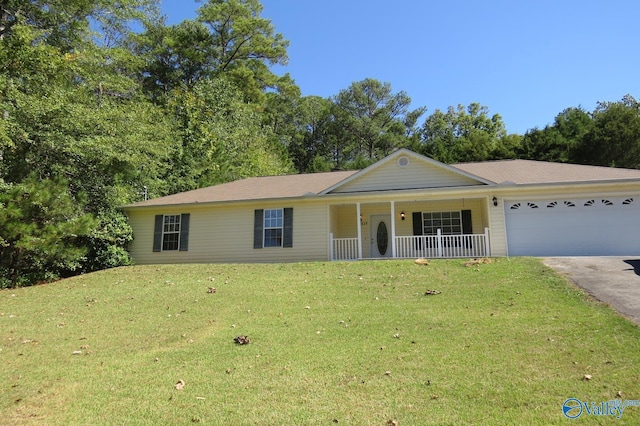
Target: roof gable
405, 169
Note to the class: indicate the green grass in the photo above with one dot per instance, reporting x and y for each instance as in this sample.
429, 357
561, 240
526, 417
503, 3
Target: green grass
506, 342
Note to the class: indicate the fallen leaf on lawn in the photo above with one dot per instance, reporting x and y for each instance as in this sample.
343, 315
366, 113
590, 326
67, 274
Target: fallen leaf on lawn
587, 377
387, 373
77, 352
392, 423
477, 262
212, 290
179, 385
432, 292
242, 340
422, 261
619, 394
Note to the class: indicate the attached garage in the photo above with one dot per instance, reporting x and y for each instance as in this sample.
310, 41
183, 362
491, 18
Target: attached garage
597, 226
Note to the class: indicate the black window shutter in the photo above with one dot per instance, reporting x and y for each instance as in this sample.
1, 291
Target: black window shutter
184, 231
257, 228
287, 231
417, 228
417, 223
157, 233
467, 228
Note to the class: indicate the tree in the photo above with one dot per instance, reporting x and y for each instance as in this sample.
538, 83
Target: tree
65, 24
614, 138
375, 120
222, 138
557, 142
312, 143
78, 118
464, 134
227, 38
41, 225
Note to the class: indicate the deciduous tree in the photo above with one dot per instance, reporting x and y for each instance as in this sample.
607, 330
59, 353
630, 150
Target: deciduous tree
614, 138
222, 138
464, 134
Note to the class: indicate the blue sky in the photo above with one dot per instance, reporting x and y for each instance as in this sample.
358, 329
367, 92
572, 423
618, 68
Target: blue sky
524, 60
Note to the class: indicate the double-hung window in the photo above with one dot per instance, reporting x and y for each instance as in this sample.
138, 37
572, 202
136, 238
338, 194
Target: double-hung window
171, 232
273, 228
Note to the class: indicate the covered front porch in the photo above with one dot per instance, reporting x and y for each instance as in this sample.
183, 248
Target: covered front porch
456, 228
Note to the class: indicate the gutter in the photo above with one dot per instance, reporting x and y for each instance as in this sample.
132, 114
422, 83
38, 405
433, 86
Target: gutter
409, 194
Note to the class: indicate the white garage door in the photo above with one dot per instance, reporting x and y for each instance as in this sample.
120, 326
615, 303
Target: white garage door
574, 227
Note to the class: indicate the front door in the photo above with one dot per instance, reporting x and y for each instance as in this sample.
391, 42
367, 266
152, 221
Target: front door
380, 236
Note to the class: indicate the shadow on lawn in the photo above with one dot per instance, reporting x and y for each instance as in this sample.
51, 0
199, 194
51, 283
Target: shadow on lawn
635, 264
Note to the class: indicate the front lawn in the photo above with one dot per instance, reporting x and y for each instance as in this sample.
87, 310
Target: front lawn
330, 343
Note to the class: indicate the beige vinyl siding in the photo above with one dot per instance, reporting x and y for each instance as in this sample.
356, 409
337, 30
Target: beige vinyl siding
418, 174
225, 234
347, 222
497, 228
334, 220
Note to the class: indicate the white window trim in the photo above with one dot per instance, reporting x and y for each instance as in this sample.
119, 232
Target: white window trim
266, 228
459, 219
176, 222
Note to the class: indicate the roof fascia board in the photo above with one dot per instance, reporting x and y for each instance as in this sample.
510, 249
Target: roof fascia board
626, 184
573, 184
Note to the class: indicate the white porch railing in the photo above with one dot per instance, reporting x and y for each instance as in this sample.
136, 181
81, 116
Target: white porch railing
344, 248
431, 246
426, 246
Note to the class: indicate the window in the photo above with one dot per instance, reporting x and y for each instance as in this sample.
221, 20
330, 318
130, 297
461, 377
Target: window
273, 228
449, 223
171, 232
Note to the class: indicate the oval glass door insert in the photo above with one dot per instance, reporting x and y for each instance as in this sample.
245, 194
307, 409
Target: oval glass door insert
382, 238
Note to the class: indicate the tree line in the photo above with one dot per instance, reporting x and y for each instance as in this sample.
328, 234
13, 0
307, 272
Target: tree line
102, 101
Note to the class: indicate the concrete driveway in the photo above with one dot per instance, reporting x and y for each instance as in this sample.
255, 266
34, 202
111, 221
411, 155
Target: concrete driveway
613, 280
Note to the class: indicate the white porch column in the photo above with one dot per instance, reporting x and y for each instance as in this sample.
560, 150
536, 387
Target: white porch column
487, 246
331, 254
359, 226
393, 229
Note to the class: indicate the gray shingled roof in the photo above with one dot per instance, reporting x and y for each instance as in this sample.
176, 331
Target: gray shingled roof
539, 172
255, 188
515, 171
